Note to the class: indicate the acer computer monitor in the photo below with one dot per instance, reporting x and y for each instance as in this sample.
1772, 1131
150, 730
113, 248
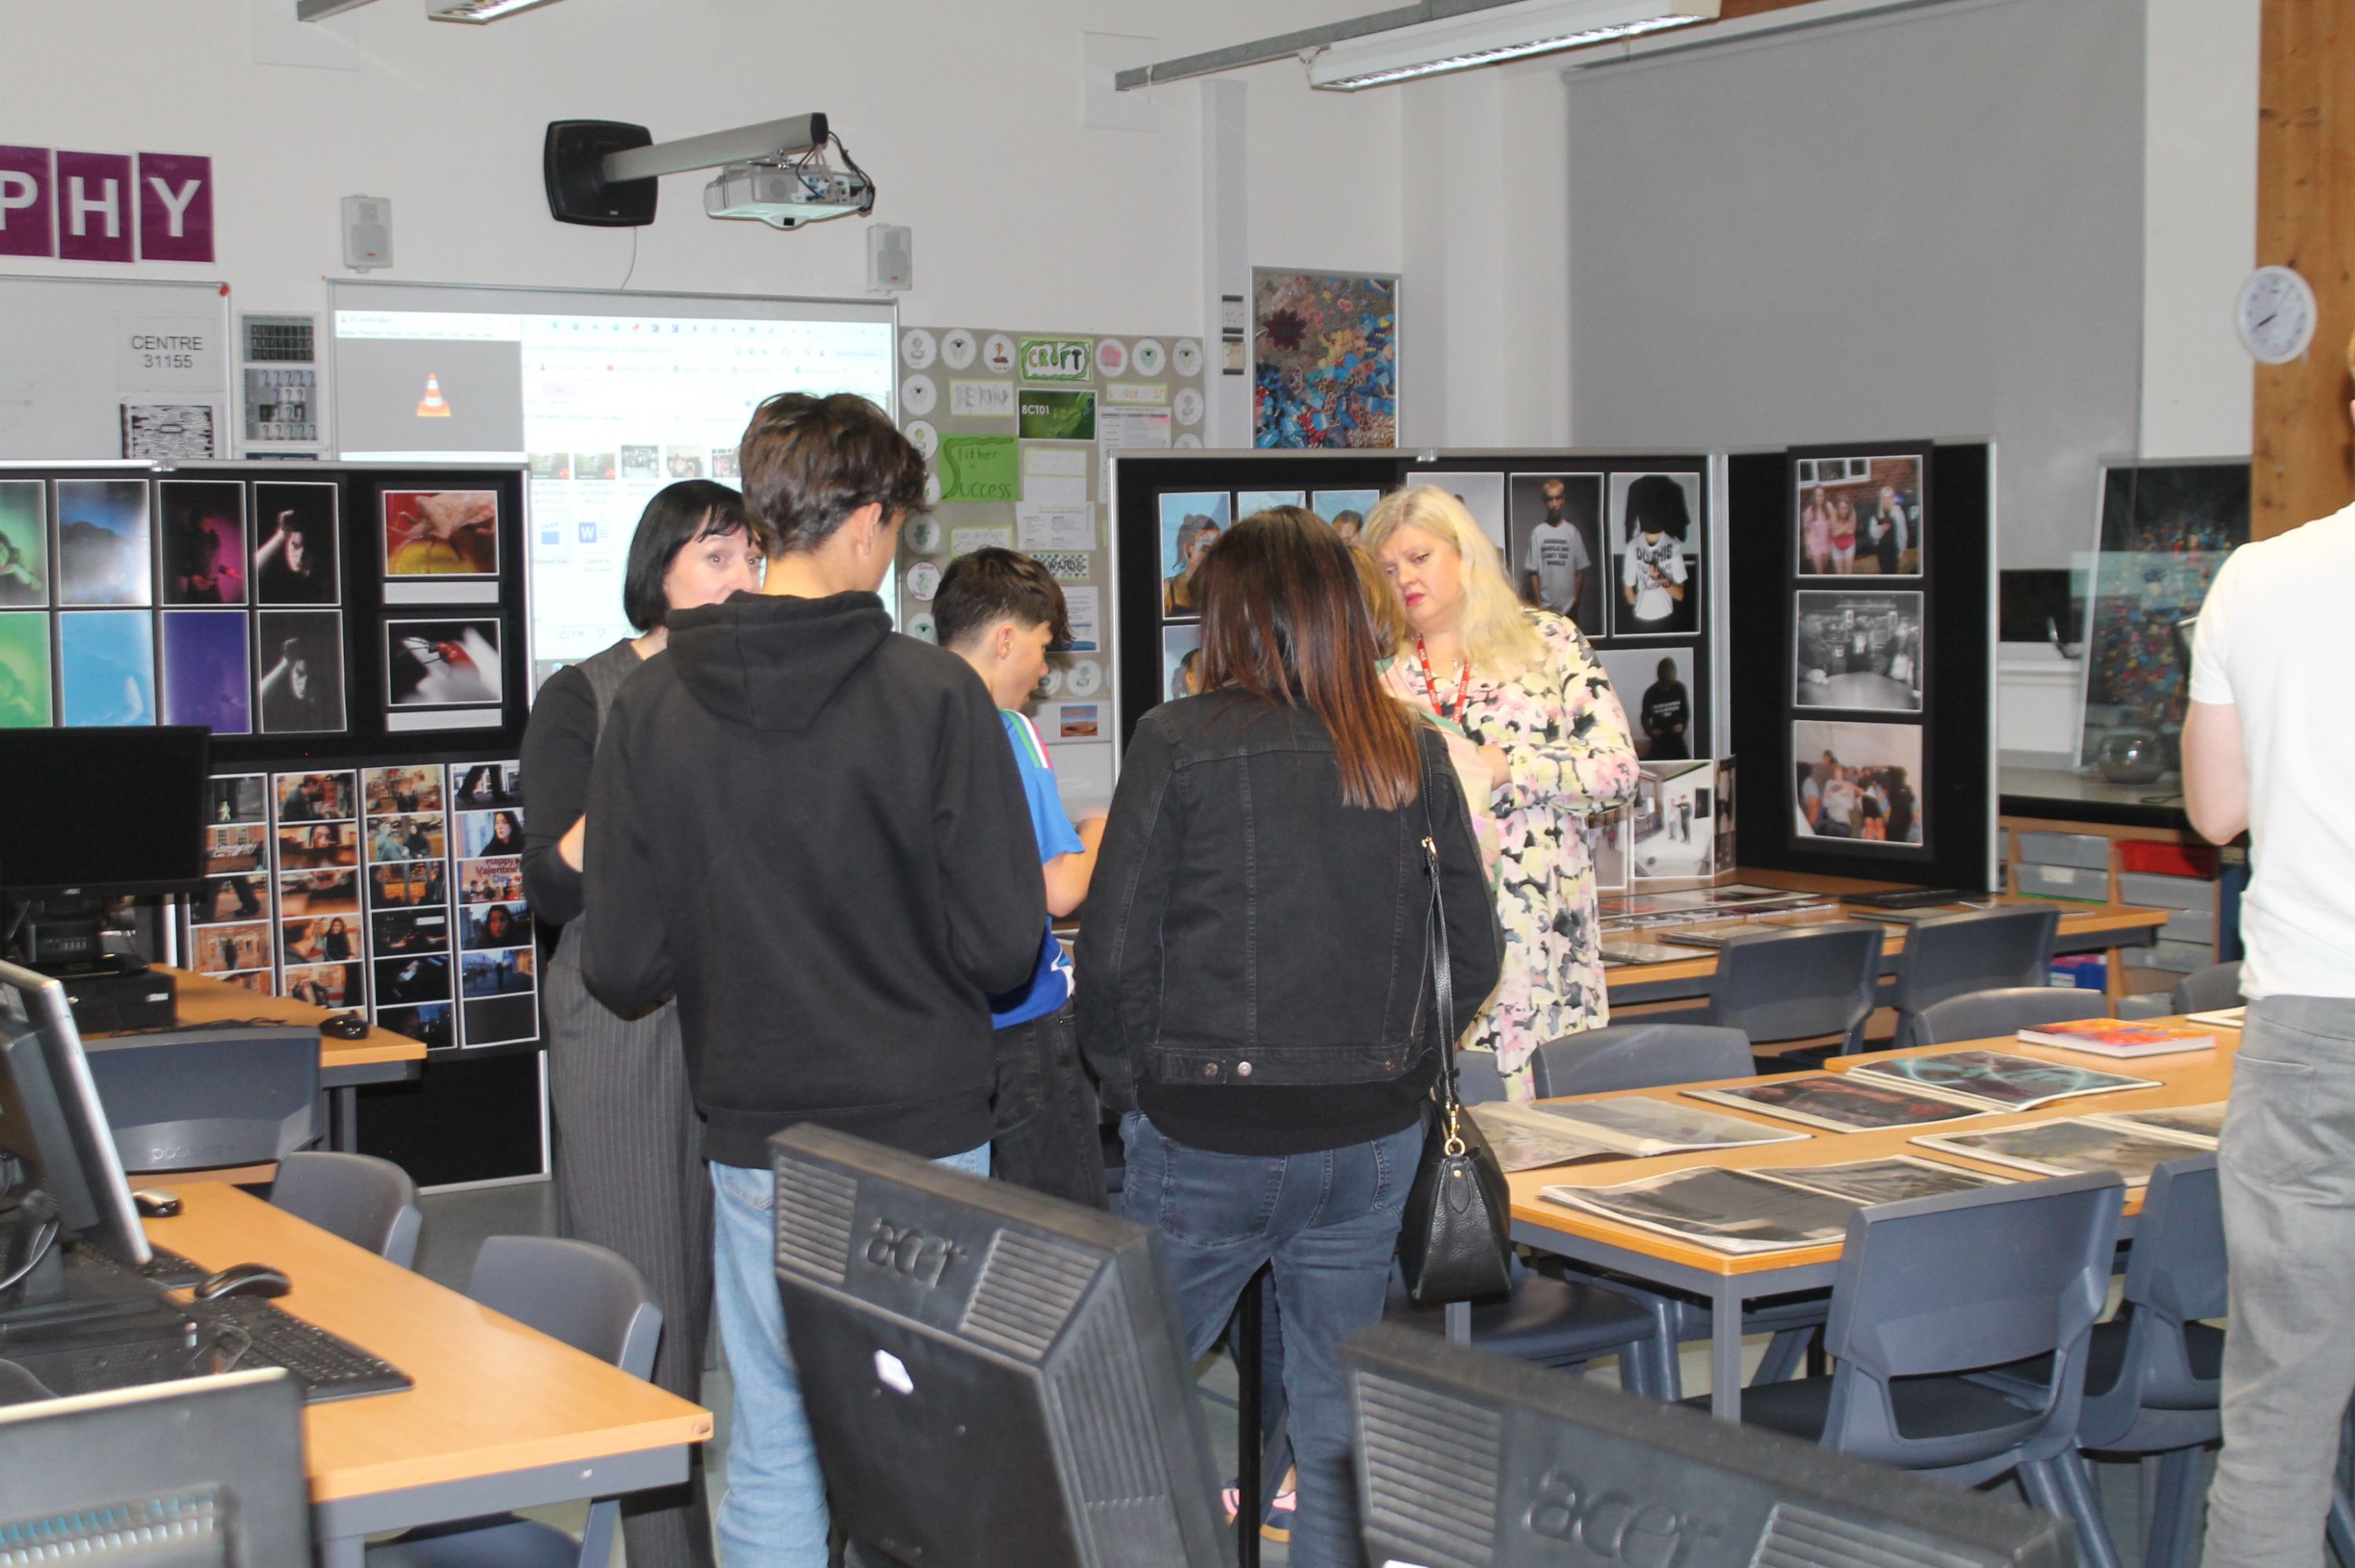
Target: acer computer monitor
103, 812
1466, 1457
992, 1376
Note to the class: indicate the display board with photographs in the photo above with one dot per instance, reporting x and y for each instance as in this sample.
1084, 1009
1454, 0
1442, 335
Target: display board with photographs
498, 979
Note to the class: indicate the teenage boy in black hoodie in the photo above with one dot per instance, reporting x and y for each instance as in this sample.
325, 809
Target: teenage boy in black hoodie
810, 829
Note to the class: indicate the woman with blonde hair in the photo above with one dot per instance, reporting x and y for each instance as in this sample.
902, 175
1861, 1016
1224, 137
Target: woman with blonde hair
1524, 689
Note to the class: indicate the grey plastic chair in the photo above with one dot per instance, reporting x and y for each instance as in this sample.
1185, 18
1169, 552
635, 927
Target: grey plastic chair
1985, 1015
592, 1299
1792, 985
1638, 1056
367, 1201
2153, 1370
1984, 950
2209, 990
1646, 1055
1932, 1290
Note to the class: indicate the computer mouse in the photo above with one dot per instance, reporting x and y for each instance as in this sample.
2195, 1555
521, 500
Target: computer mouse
244, 1279
155, 1202
345, 1026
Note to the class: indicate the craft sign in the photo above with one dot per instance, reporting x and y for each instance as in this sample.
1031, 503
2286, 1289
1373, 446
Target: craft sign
1058, 359
105, 206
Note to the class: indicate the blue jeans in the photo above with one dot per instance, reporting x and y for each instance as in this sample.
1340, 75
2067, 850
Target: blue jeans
1330, 1222
774, 1512
2286, 1175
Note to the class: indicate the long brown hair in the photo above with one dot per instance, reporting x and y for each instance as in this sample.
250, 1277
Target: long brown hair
1284, 618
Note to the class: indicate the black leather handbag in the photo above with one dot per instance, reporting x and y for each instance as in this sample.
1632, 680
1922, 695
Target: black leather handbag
1454, 1241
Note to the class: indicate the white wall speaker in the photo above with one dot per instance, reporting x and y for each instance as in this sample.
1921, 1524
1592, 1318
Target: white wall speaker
891, 259
367, 232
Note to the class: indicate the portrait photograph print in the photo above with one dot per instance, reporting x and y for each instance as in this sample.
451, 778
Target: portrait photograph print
1858, 516
102, 542
442, 664
1191, 522
1655, 528
1344, 509
295, 544
1181, 650
441, 533
1655, 687
299, 653
1859, 782
1859, 651
23, 543
27, 700
1553, 544
203, 540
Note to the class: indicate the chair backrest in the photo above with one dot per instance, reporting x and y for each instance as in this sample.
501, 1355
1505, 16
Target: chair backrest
1984, 1015
1964, 1281
367, 1201
592, 1299
1790, 984
1639, 1056
1981, 951
2210, 990
2175, 1275
1478, 1082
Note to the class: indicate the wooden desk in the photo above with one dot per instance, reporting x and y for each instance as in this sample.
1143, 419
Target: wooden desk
383, 1057
2084, 928
1725, 1281
501, 1417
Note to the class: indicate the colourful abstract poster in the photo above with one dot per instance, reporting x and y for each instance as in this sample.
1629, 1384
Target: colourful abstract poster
1323, 359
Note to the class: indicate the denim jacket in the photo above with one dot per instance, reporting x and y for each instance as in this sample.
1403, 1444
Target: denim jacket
1245, 927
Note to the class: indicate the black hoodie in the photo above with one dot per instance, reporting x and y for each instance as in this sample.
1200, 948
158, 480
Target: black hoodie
811, 829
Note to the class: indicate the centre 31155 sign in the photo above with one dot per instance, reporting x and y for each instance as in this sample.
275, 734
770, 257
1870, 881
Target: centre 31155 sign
105, 206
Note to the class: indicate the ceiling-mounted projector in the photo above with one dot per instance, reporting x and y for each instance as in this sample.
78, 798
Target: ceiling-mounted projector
789, 195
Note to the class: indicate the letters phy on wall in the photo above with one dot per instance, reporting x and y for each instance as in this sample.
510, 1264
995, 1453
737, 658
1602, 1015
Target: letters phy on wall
94, 206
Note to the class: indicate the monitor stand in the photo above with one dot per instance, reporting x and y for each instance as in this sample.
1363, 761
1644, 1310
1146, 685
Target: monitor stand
67, 1286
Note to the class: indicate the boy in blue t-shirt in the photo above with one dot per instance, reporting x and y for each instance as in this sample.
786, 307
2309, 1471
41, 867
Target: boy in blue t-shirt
1003, 612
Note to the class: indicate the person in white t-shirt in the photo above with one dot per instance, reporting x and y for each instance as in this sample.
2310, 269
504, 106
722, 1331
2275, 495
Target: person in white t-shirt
2268, 748
1652, 573
1553, 575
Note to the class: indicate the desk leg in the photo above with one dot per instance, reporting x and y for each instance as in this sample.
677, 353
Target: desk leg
2113, 976
344, 1118
1725, 1353
1459, 1322
342, 1552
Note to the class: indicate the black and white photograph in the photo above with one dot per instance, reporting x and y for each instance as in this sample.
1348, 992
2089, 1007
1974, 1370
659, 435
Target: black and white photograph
1655, 686
301, 658
1553, 544
295, 544
1655, 528
1860, 516
1859, 651
1862, 783
442, 664
1672, 834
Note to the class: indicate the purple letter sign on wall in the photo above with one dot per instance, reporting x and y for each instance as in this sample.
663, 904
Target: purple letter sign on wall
94, 206
24, 206
176, 207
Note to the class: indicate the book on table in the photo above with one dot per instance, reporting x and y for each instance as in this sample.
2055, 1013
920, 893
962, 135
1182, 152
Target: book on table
1893, 1180
1841, 1101
1913, 915
2070, 1146
1524, 1142
2116, 1036
1998, 1081
2202, 1124
1737, 1211
1640, 1125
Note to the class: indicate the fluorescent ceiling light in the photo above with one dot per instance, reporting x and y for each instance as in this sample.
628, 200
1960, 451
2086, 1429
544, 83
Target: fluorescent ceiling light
476, 10
320, 10
1493, 35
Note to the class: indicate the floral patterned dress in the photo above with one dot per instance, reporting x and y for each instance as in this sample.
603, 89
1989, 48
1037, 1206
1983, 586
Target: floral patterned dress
1565, 736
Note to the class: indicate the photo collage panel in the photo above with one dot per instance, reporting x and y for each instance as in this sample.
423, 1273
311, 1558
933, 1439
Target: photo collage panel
232, 935
498, 979
411, 951
321, 958
1860, 674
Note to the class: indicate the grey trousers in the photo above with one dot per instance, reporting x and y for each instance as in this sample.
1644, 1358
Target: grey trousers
2286, 1171
630, 1175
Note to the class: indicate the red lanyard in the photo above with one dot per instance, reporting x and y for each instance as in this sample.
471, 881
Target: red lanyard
1431, 687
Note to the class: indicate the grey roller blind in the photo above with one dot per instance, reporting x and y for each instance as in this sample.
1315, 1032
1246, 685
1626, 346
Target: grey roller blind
1924, 224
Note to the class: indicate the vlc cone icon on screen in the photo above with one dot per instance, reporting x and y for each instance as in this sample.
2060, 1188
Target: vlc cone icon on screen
432, 407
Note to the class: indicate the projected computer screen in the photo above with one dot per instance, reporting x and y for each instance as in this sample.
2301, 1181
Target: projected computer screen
607, 398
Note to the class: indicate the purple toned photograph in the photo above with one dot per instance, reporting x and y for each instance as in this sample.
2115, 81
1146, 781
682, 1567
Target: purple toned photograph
207, 678
203, 541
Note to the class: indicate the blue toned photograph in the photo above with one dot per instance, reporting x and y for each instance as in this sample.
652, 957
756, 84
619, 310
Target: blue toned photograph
207, 671
1191, 522
1346, 509
1250, 501
102, 542
106, 667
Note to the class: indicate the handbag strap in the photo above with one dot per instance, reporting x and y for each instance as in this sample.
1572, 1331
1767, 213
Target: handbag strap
1443, 974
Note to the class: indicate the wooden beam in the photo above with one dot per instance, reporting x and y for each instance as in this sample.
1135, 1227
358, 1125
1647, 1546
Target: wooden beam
2303, 445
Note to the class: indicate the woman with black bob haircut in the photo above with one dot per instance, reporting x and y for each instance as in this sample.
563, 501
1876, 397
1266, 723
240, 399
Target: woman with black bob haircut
629, 1163
1254, 988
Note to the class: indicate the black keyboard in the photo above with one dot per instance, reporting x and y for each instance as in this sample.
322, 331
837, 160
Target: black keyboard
170, 1270
248, 1331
